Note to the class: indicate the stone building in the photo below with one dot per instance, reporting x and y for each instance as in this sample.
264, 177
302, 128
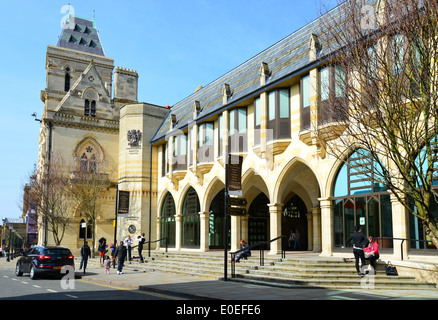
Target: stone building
85, 122
267, 111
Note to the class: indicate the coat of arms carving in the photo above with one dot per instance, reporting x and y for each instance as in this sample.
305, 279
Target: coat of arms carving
134, 137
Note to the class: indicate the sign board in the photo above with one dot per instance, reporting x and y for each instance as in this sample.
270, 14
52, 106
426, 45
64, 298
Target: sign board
234, 172
123, 203
362, 221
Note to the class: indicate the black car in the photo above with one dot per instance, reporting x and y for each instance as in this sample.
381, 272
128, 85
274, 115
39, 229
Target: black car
44, 260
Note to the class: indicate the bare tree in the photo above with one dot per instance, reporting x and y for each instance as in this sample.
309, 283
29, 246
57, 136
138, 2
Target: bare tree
381, 96
88, 185
49, 189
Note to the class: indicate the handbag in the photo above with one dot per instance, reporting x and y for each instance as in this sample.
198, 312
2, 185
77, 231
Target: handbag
390, 269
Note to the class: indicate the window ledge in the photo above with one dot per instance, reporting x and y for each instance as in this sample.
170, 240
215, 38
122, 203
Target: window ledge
278, 146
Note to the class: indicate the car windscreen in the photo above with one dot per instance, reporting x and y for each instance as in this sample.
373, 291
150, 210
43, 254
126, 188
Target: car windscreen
57, 252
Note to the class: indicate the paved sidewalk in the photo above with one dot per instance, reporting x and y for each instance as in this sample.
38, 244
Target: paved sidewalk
201, 288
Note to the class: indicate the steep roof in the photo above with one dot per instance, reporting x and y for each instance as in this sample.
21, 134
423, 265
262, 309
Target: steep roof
81, 34
285, 59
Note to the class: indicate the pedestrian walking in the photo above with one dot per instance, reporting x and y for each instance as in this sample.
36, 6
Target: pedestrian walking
85, 253
359, 242
102, 250
128, 244
141, 240
120, 253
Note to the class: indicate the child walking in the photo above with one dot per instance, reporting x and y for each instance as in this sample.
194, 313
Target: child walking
107, 264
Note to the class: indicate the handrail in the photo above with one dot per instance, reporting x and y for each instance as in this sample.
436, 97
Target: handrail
262, 254
165, 240
402, 241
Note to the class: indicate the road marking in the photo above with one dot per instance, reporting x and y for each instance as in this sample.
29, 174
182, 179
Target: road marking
24, 282
36, 286
50, 290
72, 296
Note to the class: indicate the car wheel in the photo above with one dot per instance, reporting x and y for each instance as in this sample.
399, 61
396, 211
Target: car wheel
32, 274
18, 272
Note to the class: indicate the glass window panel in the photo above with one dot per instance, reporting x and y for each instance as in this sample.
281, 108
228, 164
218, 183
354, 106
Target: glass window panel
201, 135
284, 103
232, 121
306, 91
339, 81
242, 120
257, 109
183, 144
209, 132
338, 223
341, 184
373, 218
271, 105
349, 219
325, 82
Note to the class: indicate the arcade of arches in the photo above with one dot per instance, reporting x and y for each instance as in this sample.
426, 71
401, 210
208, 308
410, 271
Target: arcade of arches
193, 218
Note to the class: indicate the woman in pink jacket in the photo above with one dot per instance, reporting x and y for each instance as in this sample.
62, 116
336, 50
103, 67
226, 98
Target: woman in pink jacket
372, 252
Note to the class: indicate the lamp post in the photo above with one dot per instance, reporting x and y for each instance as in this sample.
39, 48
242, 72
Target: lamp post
49, 153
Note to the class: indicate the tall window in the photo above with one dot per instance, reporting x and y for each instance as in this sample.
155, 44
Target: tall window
278, 114
359, 200
205, 142
180, 152
237, 130
332, 106
90, 108
257, 120
85, 231
67, 79
220, 140
305, 102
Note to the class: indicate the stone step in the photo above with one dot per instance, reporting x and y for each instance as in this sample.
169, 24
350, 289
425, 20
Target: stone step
291, 272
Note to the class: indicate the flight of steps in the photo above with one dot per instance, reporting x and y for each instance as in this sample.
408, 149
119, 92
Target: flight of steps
293, 272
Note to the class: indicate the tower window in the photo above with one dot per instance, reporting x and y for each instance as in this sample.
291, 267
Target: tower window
67, 80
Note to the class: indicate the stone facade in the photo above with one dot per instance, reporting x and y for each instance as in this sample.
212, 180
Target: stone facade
83, 119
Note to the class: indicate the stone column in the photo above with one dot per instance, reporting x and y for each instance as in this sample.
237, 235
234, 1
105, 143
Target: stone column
327, 236
204, 232
275, 211
178, 233
310, 236
316, 215
235, 232
400, 219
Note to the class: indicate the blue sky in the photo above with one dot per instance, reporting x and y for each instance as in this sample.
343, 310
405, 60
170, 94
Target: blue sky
175, 46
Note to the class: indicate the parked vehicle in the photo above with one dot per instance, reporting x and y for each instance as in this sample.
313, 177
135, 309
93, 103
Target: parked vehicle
40, 260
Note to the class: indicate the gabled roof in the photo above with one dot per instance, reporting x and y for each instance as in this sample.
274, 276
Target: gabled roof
80, 34
287, 58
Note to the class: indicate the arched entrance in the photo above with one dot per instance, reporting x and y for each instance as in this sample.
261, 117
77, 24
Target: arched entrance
217, 221
258, 221
191, 227
167, 223
294, 220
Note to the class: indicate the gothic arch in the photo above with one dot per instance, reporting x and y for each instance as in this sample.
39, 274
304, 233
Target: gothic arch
298, 175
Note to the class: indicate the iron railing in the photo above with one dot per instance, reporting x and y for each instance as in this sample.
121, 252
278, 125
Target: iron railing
262, 245
402, 242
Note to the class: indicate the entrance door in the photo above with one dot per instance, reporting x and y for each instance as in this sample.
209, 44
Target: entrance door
294, 220
258, 222
216, 234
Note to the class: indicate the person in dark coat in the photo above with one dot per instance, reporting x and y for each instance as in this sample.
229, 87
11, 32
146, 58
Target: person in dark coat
120, 254
141, 240
85, 253
359, 242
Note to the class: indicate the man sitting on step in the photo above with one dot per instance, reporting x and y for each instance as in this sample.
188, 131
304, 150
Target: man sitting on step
245, 253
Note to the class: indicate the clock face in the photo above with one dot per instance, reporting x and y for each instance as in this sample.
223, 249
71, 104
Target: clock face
131, 228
